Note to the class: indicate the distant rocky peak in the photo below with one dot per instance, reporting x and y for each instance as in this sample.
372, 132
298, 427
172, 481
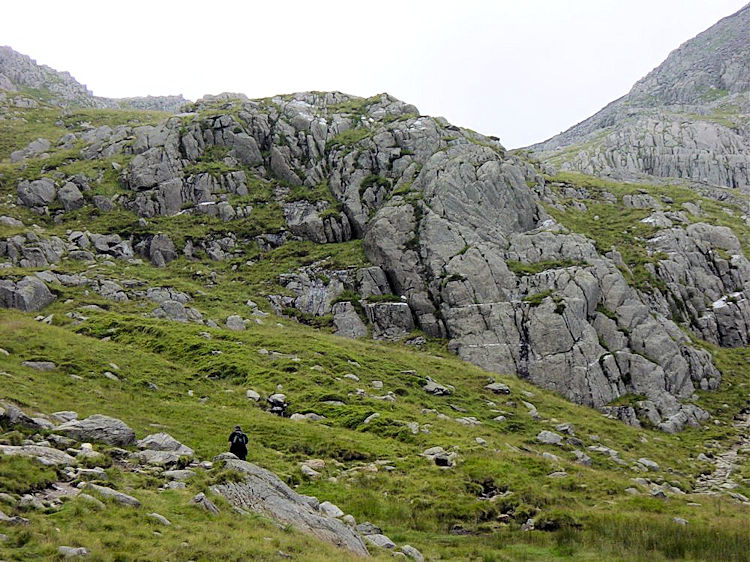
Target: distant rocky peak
710, 65
21, 73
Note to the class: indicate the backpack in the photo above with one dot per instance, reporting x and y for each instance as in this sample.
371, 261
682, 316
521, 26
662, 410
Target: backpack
239, 438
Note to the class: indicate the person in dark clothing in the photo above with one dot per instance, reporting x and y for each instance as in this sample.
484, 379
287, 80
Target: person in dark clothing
238, 443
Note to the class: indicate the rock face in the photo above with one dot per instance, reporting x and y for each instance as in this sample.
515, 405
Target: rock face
685, 119
262, 492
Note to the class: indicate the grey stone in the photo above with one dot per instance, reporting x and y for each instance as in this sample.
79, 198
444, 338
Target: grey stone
29, 294
70, 197
109, 493
37, 193
164, 442
262, 492
347, 322
72, 552
412, 553
159, 518
40, 365
380, 541
204, 503
45, 455
99, 428
235, 323
549, 438
498, 388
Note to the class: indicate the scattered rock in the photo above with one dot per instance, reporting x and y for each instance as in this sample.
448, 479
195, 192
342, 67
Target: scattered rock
160, 518
549, 438
109, 493
72, 552
412, 553
40, 365
381, 540
433, 387
252, 395
498, 388
235, 323
680, 520
204, 503
331, 510
649, 464
45, 455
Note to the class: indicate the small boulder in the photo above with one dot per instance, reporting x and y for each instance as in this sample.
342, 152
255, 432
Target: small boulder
200, 500
649, 464
498, 388
70, 197
72, 552
109, 493
164, 442
412, 553
159, 518
330, 510
549, 438
235, 323
381, 541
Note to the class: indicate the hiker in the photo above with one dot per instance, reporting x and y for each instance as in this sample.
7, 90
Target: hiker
238, 442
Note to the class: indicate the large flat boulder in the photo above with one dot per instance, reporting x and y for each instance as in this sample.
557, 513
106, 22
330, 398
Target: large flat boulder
45, 455
262, 492
98, 428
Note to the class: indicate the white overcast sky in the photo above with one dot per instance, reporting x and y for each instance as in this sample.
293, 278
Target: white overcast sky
522, 70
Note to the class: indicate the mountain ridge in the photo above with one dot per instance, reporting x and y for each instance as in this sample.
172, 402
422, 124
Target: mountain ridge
687, 118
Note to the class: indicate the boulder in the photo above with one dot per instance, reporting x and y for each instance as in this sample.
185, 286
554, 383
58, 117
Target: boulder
235, 322
412, 553
29, 294
72, 552
99, 428
347, 322
45, 455
164, 442
330, 510
498, 388
264, 493
109, 493
432, 387
381, 541
70, 197
40, 365
37, 193
200, 500
549, 438
159, 519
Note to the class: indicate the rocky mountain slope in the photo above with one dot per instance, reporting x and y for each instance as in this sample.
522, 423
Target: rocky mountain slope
688, 118
186, 272
461, 237
20, 74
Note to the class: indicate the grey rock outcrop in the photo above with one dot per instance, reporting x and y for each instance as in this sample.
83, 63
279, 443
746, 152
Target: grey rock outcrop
262, 492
